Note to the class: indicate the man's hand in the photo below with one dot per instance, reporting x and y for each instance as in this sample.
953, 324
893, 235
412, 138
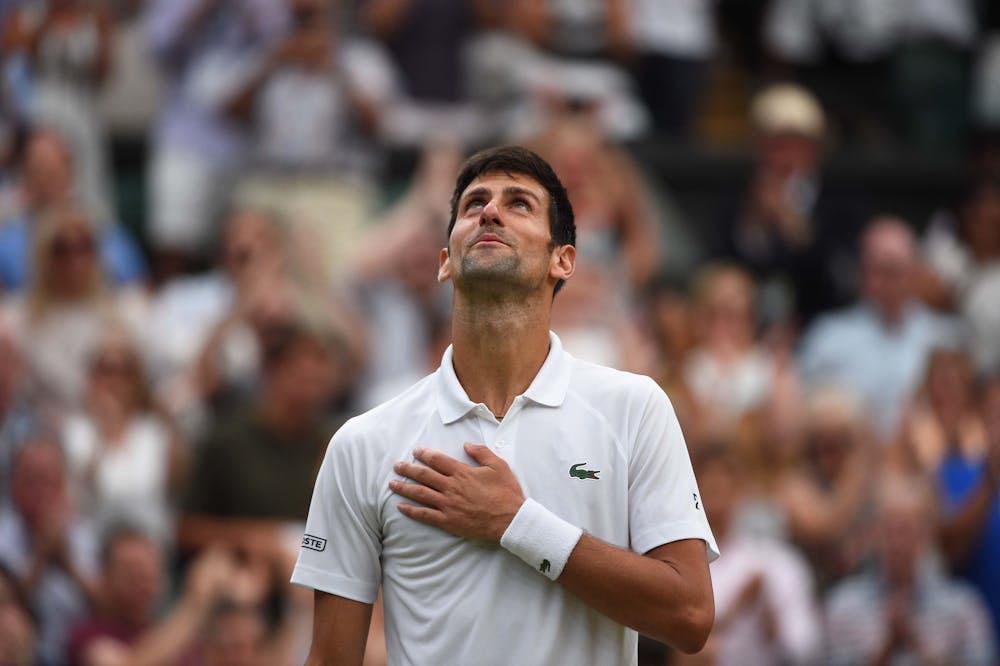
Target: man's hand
466, 501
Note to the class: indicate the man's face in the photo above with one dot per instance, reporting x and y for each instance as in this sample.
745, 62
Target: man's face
502, 236
887, 266
133, 578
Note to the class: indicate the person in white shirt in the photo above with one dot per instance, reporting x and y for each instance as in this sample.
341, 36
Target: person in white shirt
518, 506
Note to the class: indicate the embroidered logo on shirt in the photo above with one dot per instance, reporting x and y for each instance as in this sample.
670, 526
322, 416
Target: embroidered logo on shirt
696, 505
578, 473
313, 543
546, 565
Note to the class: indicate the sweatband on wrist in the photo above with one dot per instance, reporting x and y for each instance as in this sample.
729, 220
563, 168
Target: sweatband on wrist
541, 538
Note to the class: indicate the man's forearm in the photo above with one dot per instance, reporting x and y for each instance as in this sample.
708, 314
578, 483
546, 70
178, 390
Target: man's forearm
659, 594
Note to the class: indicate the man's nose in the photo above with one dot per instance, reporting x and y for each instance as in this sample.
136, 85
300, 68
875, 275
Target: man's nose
490, 213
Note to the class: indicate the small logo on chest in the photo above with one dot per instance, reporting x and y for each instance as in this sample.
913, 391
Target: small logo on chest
577, 473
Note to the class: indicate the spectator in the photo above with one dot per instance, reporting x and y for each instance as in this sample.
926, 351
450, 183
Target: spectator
132, 574
945, 418
827, 496
729, 373
878, 348
396, 273
126, 460
58, 320
196, 149
190, 313
426, 41
788, 225
969, 489
18, 642
131, 580
232, 496
905, 610
671, 333
309, 105
17, 419
619, 245
52, 553
46, 179
964, 257
886, 69
672, 42
765, 605
67, 49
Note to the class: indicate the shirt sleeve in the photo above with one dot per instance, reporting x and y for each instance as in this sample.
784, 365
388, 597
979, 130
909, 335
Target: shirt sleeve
342, 543
664, 502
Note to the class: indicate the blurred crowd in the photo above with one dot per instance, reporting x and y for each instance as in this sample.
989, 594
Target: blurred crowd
168, 387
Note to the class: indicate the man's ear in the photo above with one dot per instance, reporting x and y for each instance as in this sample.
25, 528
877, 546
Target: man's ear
444, 266
563, 262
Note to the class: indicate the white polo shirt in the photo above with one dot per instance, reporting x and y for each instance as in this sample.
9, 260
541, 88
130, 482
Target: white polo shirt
449, 600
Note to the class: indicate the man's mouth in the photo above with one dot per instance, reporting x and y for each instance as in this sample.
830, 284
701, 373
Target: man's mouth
489, 238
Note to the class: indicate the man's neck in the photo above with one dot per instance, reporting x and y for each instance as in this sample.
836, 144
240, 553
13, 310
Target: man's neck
498, 348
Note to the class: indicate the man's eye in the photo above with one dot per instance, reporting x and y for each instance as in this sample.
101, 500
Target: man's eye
474, 204
521, 204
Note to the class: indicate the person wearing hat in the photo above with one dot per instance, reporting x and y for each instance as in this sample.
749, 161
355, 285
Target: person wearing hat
786, 224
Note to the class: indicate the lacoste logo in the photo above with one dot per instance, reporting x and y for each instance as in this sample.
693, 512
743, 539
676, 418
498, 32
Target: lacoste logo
546, 565
313, 543
577, 473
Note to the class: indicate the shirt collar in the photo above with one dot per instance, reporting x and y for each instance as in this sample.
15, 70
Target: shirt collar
547, 388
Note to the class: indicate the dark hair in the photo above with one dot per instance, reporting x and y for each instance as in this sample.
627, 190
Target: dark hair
119, 532
516, 160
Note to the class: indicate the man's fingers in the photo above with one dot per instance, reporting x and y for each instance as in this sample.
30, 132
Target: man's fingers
422, 514
438, 461
416, 492
481, 454
421, 474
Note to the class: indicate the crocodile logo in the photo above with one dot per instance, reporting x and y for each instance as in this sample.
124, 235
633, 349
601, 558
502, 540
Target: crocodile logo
546, 565
578, 473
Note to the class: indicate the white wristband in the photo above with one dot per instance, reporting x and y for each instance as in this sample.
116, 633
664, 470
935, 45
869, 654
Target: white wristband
541, 538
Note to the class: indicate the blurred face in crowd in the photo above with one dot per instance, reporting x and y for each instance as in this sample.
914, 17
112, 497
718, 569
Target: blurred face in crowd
38, 484
981, 222
48, 169
308, 12
133, 579
725, 310
17, 632
991, 409
905, 516
9, 369
831, 436
252, 246
949, 380
114, 372
888, 261
234, 638
720, 490
303, 376
784, 154
72, 267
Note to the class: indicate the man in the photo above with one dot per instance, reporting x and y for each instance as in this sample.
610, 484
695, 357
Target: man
877, 348
581, 477
793, 229
231, 497
904, 610
51, 552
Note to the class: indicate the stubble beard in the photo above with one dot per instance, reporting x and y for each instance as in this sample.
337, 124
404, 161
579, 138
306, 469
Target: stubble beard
494, 279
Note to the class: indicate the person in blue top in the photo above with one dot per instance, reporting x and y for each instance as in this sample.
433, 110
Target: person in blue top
46, 177
970, 495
